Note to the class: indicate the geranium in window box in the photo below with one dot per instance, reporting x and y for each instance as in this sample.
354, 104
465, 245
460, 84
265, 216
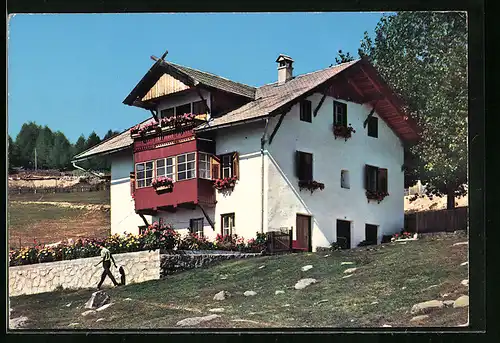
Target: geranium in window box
311, 185
376, 195
343, 131
163, 184
179, 121
225, 183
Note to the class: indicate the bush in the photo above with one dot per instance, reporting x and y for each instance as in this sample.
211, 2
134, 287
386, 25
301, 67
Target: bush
194, 242
366, 243
386, 239
334, 246
402, 235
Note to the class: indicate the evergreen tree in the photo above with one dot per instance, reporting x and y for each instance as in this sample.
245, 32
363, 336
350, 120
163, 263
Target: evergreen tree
61, 153
44, 143
26, 142
13, 154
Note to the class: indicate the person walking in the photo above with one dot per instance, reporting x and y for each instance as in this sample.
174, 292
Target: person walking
106, 264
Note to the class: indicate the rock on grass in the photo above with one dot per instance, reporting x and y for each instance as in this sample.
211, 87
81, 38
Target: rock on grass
250, 293
426, 306
419, 319
303, 283
196, 320
462, 301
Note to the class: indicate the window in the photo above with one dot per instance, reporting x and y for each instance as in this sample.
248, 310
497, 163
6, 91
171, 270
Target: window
199, 107
344, 179
196, 226
169, 112
227, 170
304, 165
166, 167
142, 229
186, 168
204, 165
339, 113
183, 109
228, 224
144, 174
371, 233
373, 127
375, 179
306, 111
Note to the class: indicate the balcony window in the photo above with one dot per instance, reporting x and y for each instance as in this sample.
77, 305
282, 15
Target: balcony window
166, 167
183, 109
186, 166
144, 174
204, 165
227, 166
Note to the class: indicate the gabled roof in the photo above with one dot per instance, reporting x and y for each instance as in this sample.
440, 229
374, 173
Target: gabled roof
190, 77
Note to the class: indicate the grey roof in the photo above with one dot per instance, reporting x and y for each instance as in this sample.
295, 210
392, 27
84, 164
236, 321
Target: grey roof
270, 97
267, 99
216, 81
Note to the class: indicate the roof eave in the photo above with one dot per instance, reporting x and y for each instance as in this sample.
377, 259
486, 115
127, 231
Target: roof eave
108, 152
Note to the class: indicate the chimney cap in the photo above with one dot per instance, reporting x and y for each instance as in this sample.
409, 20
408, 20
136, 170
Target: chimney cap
282, 57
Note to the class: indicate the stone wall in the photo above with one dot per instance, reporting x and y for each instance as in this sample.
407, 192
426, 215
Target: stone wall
172, 263
81, 273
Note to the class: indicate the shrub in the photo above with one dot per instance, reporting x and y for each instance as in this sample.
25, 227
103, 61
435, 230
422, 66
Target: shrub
402, 235
160, 236
386, 238
334, 246
193, 241
366, 243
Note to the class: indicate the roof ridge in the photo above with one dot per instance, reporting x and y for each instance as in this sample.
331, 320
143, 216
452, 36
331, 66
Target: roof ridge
206, 72
312, 72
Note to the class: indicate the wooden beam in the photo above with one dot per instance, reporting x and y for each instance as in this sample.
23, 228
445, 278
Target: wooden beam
369, 115
143, 219
203, 99
210, 221
320, 103
278, 125
155, 115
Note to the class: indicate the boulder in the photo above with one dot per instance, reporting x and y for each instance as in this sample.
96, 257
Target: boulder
279, 292
448, 303
462, 301
222, 295
418, 319
97, 299
426, 306
249, 293
306, 268
103, 307
350, 270
196, 320
465, 282
303, 283
217, 310
86, 313
17, 323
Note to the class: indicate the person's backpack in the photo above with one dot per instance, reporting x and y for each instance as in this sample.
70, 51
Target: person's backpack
122, 275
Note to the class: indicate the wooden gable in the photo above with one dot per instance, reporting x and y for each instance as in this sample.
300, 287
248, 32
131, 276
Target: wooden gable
166, 84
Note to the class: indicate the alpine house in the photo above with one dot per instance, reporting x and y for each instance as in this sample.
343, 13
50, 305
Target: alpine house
320, 154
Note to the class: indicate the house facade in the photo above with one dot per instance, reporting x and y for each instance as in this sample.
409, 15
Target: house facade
320, 154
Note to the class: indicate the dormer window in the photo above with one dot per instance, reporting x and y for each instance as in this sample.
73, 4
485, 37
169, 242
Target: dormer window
166, 113
183, 109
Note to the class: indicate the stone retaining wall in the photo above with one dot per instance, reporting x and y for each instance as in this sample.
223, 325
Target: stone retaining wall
81, 273
173, 263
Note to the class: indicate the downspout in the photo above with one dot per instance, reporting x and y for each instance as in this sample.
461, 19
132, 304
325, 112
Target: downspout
262, 143
87, 171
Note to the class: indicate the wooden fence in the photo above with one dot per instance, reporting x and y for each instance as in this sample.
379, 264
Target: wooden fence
437, 221
83, 188
279, 241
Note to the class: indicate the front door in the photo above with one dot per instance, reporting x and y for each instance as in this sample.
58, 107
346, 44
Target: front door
304, 232
344, 233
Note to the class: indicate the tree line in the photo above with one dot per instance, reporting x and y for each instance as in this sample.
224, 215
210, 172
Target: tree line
423, 56
53, 149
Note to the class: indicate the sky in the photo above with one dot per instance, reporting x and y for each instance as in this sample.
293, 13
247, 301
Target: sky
71, 72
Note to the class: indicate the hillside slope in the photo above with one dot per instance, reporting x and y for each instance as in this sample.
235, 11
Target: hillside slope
389, 280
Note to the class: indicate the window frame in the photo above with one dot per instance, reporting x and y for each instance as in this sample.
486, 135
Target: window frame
376, 233
343, 120
372, 127
303, 172
232, 223
166, 109
172, 175
305, 110
229, 166
184, 105
344, 179
145, 178
199, 230
381, 185
207, 163
186, 163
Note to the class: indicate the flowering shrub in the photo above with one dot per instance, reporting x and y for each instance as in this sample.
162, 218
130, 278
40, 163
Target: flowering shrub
376, 195
160, 236
311, 185
402, 235
225, 183
343, 131
192, 241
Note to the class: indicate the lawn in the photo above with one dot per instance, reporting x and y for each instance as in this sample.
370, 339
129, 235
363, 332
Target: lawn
50, 223
389, 280
99, 197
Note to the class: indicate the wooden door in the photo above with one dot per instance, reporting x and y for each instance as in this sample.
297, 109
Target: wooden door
344, 233
303, 225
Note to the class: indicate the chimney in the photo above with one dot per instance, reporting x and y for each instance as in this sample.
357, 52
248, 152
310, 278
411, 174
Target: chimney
285, 69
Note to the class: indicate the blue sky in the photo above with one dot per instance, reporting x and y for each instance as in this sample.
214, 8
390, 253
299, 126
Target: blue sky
71, 72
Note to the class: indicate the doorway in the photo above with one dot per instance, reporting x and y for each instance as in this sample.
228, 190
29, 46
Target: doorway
303, 225
344, 234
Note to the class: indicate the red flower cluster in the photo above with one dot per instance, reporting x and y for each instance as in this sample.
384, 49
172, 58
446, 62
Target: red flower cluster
178, 120
343, 131
162, 181
174, 121
376, 195
311, 185
225, 183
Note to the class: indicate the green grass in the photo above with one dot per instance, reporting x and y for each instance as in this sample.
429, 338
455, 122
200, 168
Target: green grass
99, 197
22, 216
381, 275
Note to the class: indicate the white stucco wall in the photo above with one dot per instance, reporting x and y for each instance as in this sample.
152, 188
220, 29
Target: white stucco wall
123, 216
330, 156
180, 220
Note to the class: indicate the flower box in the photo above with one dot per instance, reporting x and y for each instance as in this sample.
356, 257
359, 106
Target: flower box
343, 131
376, 195
225, 183
174, 123
163, 184
311, 185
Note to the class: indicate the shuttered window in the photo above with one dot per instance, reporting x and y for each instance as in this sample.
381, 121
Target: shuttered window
229, 165
339, 113
376, 179
196, 226
304, 165
373, 127
204, 165
306, 111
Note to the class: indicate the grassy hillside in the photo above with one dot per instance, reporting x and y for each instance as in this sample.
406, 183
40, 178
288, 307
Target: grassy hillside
389, 280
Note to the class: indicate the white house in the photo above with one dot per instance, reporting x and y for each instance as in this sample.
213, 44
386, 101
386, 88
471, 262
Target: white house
319, 153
